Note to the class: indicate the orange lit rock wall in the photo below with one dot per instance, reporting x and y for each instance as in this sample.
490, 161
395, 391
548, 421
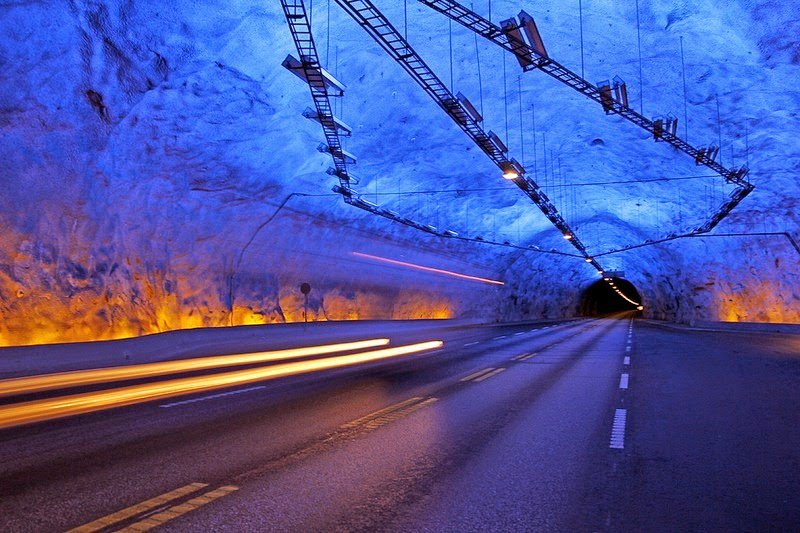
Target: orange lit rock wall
50, 296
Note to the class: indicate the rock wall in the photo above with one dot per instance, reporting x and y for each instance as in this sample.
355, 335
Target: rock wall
145, 145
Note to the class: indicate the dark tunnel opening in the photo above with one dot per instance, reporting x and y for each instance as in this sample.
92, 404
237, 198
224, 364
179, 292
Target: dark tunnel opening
602, 298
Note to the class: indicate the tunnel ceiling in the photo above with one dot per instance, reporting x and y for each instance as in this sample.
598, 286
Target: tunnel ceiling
145, 146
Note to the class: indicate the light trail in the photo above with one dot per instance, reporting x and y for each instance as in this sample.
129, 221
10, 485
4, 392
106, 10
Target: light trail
92, 376
53, 408
429, 269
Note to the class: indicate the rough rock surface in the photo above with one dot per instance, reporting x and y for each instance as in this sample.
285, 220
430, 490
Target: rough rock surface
148, 149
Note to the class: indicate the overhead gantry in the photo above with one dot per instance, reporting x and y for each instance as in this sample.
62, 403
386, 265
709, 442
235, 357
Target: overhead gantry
518, 36
459, 109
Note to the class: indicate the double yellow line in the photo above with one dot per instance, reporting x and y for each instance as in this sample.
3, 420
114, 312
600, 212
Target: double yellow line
52, 408
158, 517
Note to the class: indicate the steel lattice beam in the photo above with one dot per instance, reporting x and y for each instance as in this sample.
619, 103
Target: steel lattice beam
300, 27
534, 60
386, 35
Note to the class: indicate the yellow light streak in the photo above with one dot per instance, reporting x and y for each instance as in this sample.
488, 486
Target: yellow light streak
429, 269
91, 376
52, 408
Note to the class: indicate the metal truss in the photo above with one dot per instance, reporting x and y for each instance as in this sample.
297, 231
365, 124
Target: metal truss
323, 86
386, 35
533, 56
309, 68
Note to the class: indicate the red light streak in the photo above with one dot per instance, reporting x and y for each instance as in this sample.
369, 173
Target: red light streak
429, 269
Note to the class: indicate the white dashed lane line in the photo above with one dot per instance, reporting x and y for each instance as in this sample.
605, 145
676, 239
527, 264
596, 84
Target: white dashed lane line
500, 337
471, 344
617, 441
627, 360
211, 397
623, 381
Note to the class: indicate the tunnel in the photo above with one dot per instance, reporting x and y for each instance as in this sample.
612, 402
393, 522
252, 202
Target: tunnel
603, 297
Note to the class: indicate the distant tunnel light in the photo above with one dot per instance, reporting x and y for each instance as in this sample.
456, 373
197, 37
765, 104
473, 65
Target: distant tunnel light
428, 269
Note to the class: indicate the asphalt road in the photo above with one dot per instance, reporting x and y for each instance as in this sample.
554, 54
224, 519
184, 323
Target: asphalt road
588, 425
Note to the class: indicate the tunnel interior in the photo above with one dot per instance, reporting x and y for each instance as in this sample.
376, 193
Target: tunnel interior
601, 298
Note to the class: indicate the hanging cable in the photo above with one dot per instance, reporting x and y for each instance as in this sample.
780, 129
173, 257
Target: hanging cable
521, 128
450, 33
685, 105
719, 129
639, 44
405, 19
746, 145
544, 154
505, 95
328, 43
535, 154
480, 79
580, 22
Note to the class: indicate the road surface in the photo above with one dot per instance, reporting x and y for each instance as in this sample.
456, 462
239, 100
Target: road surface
590, 425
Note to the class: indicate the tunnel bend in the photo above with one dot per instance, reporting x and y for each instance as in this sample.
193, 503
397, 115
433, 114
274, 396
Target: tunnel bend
599, 298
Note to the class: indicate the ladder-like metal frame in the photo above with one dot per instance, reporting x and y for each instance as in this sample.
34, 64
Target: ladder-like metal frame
300, 27
386, 35
301, 34
485, 28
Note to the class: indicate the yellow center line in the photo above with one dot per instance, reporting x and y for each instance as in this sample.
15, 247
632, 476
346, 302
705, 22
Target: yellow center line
476, 374
51, 408
490, 374
380, 412
398, 414
139, 508
179, 510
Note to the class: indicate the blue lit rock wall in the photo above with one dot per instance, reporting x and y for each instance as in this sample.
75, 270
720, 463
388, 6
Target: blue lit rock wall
144, 144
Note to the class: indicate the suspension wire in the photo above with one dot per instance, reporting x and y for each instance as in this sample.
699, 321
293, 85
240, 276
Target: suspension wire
478, 59
505, 94
544, 153
405, 19
311, 13
685, 107
568, 185
535, 154
561, 190
521, 127
336, 75
719, 129
490, 11
328, 43
641, 77
450, 31
746, 145
580, 22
